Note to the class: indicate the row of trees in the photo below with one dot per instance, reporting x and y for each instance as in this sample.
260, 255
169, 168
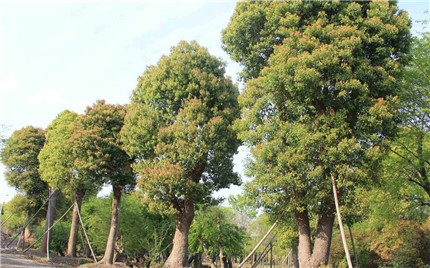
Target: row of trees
326, 91
176, 135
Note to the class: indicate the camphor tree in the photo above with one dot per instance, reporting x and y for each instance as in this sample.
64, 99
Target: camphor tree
178, 128
58, 168
20, 158
319, 103
100, 153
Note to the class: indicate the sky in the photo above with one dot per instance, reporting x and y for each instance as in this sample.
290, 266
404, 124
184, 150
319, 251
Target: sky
57, 55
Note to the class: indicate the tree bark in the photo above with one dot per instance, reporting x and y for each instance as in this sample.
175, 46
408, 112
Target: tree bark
73, 237
295, 255
114, 226
197, 262
50, 216
211, 262
178, 257
320, 253
353, 247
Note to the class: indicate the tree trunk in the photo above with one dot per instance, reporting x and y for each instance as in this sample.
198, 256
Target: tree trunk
197, 262
178, 257
211, 262
73, 237
221, 253
295, 255
50, 216
114, 225
353, 247
321, 249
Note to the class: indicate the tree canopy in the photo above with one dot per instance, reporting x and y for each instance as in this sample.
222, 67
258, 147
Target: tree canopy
57, 161
319, 101
97, 145
410, 151
20, 158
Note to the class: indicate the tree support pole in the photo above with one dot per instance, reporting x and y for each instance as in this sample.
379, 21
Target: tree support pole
261, 242
28, 222
65, 213
85, 233
3, 222
49, 224
339, 218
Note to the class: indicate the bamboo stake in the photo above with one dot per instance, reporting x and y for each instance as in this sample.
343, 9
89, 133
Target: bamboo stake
28, 222
3, 222
85, 233
48, 229
49, 224
261, 242
339, 218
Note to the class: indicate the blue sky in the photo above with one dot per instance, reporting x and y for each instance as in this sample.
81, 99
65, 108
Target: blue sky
67, 54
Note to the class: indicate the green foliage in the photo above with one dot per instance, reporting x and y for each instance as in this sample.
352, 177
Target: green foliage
59, 237
398, 244
416, 94
142, 235
321, 107
244, 207
57, 161
20, 159
178, 128
410, 152
97, 147
406, 167
15, 211
212, 229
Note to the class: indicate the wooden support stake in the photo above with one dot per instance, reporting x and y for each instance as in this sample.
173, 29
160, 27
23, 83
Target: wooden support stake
28, 222
339, 218
48, 230
261, 242
85, 233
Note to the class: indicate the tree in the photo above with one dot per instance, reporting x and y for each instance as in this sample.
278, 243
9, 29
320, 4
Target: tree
154, 231
178, 128
213, 234
318, 102
15, 211
20, 158
100, 153
245, 209
410, 151
59, 170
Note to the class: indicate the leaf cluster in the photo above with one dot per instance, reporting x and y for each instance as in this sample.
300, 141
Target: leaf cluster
20, 158
212, 229
318, 100
178, 127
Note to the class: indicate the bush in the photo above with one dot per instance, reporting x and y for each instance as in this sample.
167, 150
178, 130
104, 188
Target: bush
400, 244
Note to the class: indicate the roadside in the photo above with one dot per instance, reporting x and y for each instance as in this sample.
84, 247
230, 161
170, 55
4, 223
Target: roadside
10, 260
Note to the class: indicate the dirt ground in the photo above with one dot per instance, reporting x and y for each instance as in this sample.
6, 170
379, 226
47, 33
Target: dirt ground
54, 260
36, 255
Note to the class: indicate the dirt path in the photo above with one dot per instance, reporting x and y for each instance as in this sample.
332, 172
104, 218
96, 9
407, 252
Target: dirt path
16, 261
